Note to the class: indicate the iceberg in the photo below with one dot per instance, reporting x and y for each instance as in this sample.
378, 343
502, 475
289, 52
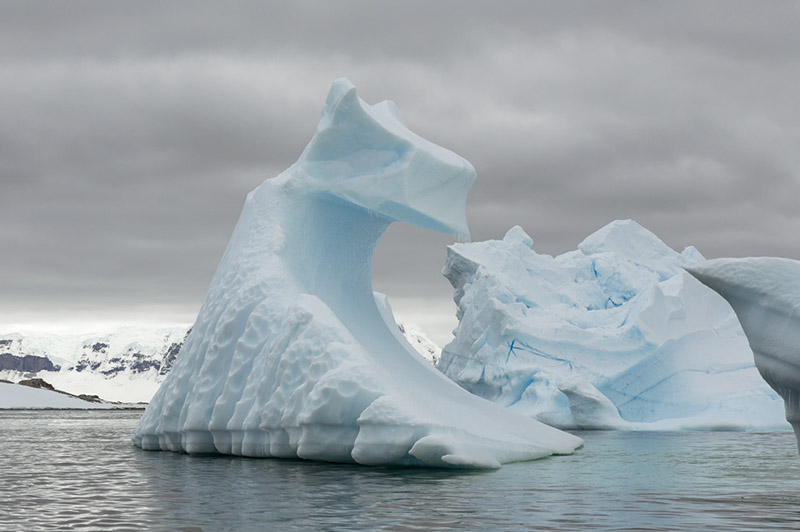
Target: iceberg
765, 293
613, 335
292, 357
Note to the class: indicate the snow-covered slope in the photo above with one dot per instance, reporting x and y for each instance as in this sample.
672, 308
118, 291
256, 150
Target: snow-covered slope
124, 364
419, 340
291, 356
407, 334
16, 396
765, 293
613, 335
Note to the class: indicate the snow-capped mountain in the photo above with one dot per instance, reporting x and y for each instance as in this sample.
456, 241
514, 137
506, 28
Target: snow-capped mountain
126, 364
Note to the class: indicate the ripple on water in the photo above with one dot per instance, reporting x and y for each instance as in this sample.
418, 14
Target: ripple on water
69, 469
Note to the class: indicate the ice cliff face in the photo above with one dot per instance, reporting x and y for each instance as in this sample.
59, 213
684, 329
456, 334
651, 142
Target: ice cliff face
291, 356
765, 293
613, 335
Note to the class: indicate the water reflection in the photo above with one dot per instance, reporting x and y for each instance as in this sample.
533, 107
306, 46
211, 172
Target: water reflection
240, 491
79, 469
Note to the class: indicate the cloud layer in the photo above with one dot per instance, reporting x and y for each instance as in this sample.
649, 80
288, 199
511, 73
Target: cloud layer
131, 133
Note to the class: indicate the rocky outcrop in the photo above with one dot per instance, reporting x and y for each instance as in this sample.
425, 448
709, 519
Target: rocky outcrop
90, 398
37, 383
26, 364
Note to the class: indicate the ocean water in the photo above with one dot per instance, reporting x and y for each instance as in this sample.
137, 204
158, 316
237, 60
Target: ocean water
67, 470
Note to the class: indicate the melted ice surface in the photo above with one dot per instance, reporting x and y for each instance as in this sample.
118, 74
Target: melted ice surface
765, 293
291, 356
614, 335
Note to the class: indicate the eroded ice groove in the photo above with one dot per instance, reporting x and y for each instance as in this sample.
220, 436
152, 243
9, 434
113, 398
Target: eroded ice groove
614, 335
765, 293
291, 356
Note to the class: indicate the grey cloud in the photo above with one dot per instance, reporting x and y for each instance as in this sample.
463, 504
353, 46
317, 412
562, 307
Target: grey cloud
131, 134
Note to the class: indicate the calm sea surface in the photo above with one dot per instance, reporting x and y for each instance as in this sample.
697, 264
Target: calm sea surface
66, 470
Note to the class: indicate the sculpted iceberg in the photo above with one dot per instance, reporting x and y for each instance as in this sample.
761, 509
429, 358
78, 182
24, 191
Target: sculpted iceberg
614, 335
291, 356
765, 293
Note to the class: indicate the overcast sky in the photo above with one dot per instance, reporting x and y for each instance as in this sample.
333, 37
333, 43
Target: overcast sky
131, 132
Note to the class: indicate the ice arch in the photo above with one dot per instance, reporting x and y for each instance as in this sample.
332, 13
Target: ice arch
291, 355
